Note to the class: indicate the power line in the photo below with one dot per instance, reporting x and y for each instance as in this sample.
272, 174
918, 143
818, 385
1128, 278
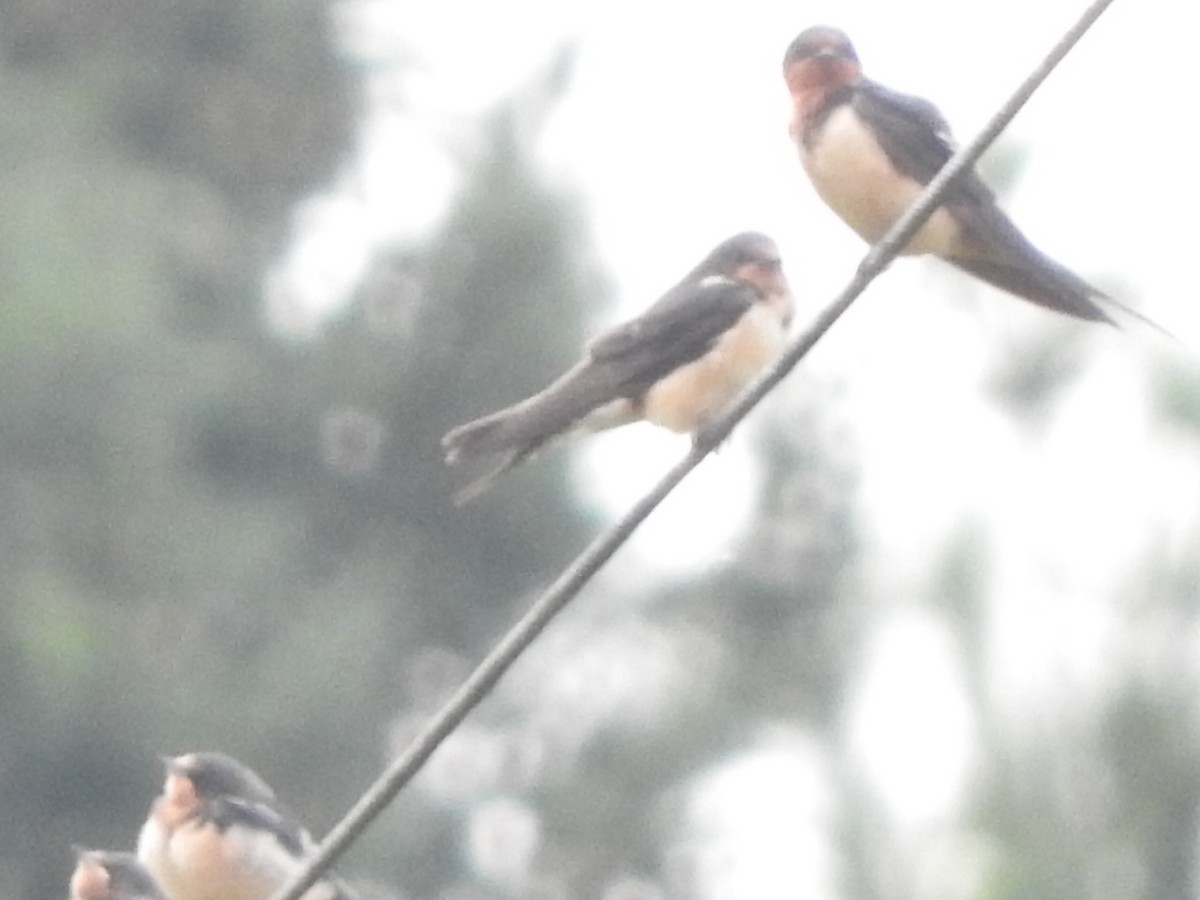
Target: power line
577, 574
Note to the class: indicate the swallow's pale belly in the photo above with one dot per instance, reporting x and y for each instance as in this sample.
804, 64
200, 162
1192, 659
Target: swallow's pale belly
693, 394
852, 174
197, 862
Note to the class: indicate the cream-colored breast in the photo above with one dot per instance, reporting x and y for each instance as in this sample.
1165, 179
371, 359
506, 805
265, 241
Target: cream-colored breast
693, 394
197, 861
852, 174
152, 850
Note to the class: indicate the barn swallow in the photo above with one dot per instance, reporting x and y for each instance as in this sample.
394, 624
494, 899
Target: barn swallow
217, 832
677, 365
869, 151
104, 875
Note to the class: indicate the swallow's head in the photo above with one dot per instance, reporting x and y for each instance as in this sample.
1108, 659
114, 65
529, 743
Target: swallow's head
819, 60
90, 880
101, 875
207, 776
751, 258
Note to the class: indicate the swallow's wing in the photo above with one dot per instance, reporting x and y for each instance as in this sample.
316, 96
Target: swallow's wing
681, 327
227, 812
275, 844
917, 140
911, 130
918, 143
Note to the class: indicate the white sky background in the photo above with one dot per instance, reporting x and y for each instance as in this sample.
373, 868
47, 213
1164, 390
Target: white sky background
674, 130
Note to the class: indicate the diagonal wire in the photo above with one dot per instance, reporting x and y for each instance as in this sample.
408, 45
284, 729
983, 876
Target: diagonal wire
497, 662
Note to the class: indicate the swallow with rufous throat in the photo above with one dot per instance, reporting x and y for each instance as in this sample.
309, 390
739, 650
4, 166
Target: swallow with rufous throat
870, 151
217, 832
677, 365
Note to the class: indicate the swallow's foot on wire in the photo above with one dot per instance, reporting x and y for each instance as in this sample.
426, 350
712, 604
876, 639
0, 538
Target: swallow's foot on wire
706, 438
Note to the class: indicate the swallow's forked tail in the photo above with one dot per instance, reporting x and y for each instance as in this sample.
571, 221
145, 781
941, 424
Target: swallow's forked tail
997, 252
1054, 287
484, 482
521, 428
509, 429
513, 432
1043, 282
519, 431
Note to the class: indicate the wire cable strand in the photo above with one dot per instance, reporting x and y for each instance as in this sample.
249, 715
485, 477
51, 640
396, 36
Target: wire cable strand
577, 574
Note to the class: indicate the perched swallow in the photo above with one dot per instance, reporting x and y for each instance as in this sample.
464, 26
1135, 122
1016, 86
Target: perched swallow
869, 151
103, 875
217, 832
677, 365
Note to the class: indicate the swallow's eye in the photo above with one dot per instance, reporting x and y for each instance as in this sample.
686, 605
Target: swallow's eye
833, 51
